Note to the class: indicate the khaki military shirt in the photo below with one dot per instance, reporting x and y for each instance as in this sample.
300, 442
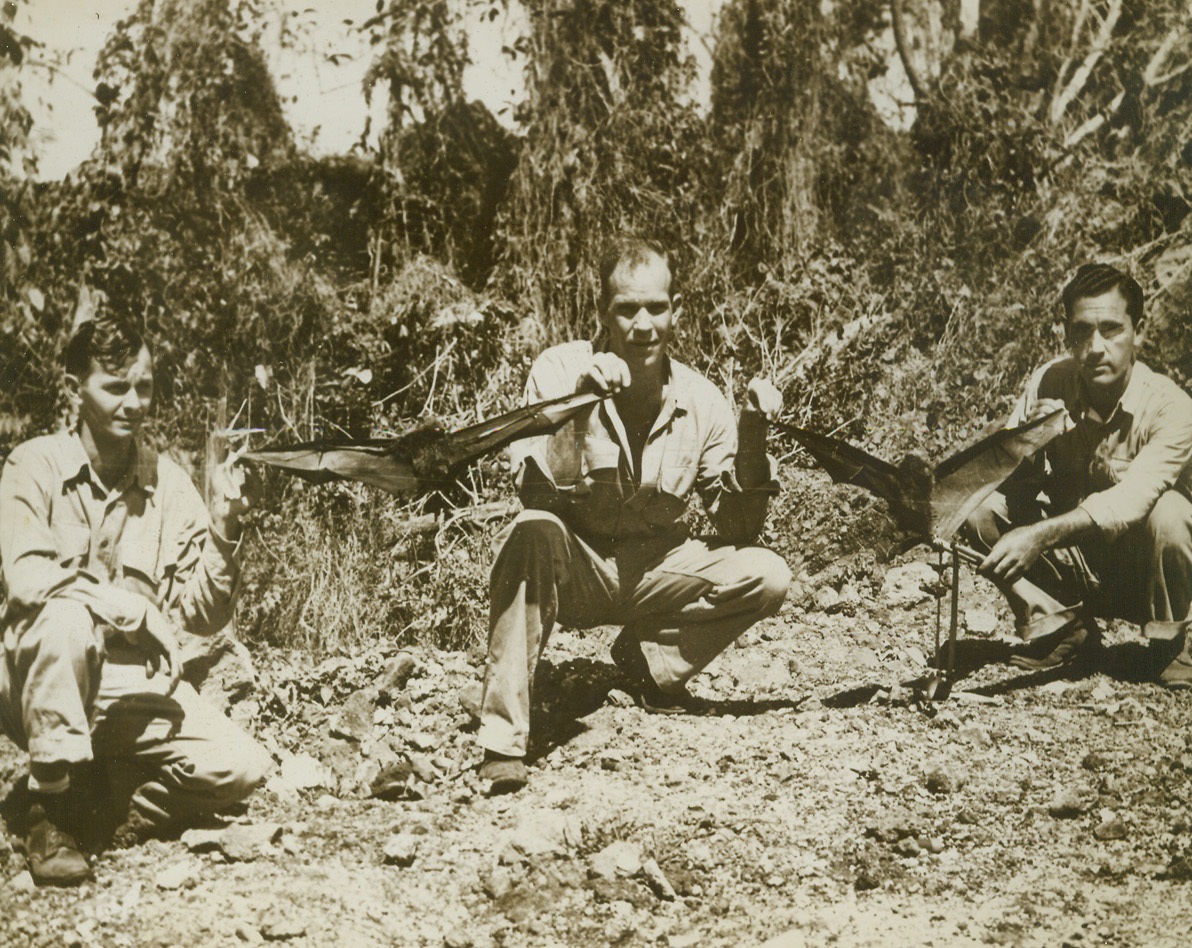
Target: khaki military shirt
1114, 468
147, 540
585, 473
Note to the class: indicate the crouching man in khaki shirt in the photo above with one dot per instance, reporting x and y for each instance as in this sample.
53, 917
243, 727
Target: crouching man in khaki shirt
600, 541
1100, 523
107, 550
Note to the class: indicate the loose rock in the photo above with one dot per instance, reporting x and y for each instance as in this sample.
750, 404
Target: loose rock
1067, 803
279, 927
303, 772
246, 842
908, 585
941, 780
179, 875
657, 881
354, 721
980, 621
397, 672
621, 859
400, 849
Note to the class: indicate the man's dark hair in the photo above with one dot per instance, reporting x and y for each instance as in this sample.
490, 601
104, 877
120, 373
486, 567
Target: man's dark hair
632, 251
1096, 279
110, 342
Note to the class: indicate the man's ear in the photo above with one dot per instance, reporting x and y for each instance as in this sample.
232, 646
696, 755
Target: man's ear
676, 308
602, 314
1140, 329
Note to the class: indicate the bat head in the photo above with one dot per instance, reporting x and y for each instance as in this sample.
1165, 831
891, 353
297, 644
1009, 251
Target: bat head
913, 509
427, 445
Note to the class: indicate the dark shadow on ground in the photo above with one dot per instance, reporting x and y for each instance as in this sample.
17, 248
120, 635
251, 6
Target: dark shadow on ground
99, 810
974, 654
565, 693
95, 809
1128, 662
14, 808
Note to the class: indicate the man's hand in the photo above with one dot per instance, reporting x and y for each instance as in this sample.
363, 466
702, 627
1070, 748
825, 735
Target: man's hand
158, 640
763, 403
232, 494
607, 374
762, 398
1014, 554
1043, 407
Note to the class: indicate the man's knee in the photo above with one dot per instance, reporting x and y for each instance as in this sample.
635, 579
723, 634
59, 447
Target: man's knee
63, 629
248, 772
535, 527
1170, 524
237, 774
532, 535
774, 575
984, 525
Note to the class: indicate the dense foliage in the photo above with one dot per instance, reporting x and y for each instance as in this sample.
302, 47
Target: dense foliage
896, 280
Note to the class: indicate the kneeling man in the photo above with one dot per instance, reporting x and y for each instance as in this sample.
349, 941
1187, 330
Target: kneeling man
107, 549
600, 541
1101, 522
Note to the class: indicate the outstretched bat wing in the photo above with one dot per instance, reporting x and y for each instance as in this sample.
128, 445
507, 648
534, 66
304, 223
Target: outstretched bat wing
413, 461
378, 462
471, 442
966, 478
848, 464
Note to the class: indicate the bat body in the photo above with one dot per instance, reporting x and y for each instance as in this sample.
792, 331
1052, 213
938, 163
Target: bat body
931, 503
424, 457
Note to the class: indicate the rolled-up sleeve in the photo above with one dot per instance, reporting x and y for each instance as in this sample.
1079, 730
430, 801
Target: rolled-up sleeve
33, 565
1153, 470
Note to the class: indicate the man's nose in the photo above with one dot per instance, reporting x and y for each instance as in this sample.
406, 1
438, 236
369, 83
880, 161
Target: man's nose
1096, 342
131, 401
641, 319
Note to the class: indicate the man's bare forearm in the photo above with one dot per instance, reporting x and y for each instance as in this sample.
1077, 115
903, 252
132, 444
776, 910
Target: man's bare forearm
1063, 530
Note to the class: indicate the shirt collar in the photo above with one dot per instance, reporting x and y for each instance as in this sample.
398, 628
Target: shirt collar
142, 473
678, 388
1129, 402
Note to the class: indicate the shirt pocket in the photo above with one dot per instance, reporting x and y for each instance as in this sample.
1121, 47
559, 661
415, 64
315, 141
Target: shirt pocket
600, 454
143, 557
142, 561
73, 544
676, 479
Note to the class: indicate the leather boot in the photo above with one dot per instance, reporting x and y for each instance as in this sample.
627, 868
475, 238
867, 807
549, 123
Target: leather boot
51, 849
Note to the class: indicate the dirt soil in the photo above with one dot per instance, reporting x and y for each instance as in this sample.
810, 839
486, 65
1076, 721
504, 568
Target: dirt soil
819, 801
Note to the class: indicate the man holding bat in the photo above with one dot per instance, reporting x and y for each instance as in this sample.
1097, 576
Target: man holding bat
1101, 522
107, 551
601, 541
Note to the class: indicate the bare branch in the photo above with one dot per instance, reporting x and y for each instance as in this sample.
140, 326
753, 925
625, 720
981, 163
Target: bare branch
1077, 28
1150, 75
920, 86
1080, 77
970, 17
1096, 123
1151, 79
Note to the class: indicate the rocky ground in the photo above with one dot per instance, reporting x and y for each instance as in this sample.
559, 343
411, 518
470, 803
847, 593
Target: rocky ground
820, 800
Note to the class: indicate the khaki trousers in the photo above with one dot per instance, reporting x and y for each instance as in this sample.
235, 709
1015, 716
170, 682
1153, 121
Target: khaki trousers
63, 698
685, 603
1143, 576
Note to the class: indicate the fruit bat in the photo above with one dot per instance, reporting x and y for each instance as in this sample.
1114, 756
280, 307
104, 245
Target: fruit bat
931, 503
423, 458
